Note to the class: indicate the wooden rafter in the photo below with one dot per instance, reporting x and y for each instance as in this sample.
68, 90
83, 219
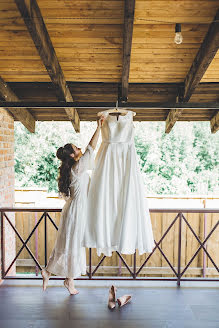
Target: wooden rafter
175, 113
33, 19
215, 123
203, 59
129, 11
21, 114
198, 68
172, 117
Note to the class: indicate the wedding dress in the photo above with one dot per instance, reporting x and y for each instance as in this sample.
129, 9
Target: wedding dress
68, 258
118, 217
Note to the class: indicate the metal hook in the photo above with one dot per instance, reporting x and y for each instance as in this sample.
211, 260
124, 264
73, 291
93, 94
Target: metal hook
117, 105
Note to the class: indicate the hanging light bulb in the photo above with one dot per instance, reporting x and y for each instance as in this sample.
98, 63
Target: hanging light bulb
178, 35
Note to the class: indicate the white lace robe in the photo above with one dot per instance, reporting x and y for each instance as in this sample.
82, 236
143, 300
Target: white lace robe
68, 257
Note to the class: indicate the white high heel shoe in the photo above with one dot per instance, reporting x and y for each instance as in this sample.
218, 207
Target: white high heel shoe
123, 300
112, 297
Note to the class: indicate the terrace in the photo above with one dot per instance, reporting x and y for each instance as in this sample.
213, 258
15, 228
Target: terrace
66, 61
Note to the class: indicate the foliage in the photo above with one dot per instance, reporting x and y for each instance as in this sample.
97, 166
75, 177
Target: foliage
179, 162
35, 154
182, 162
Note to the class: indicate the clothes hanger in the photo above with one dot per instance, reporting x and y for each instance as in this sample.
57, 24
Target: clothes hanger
115, 111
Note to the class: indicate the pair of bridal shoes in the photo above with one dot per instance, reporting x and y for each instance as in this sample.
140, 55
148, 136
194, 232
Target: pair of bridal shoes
46, 277
112, 298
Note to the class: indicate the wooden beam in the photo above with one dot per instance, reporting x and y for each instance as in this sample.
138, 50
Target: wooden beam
33, 19
129, 11
215, 123
104, 91
175, 113
102, 105
21, 114
206, 53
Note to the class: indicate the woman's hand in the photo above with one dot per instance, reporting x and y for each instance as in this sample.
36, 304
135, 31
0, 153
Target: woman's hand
93, 141
100, 121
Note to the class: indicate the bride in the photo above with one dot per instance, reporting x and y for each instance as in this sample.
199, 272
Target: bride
68, 257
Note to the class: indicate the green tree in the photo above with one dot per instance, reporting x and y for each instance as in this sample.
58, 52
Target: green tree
182, 162
35, 154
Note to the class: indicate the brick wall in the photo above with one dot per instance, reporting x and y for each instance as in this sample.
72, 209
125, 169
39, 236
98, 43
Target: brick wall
7, 183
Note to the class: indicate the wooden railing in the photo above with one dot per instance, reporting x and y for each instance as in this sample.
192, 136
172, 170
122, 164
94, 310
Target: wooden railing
178, 223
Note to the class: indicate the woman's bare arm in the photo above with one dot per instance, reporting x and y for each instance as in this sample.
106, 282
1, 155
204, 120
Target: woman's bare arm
94, 139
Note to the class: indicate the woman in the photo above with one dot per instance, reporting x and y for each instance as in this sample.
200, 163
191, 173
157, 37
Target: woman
68, 258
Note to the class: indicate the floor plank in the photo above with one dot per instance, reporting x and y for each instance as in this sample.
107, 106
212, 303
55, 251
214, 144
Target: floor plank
28, 306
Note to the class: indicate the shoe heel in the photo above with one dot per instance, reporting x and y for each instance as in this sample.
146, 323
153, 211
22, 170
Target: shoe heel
112, 297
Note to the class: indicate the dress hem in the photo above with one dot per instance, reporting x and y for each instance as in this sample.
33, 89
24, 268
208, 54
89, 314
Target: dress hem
122, 251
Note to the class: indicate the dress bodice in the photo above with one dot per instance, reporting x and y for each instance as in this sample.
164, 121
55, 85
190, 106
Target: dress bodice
120, 130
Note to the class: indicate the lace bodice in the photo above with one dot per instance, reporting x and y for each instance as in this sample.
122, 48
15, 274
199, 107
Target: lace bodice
86, 162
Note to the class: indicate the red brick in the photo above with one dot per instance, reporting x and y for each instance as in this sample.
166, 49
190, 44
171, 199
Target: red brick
7, 132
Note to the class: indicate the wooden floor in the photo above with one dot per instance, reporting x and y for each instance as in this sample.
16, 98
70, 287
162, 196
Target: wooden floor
27, 306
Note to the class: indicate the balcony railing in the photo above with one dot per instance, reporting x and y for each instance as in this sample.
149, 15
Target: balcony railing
178, 272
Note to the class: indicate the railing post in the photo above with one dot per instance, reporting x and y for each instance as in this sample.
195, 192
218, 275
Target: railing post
90, 264
120, 267
45, 236
134, 266
205, 244
2, 246
36, 244
179, 249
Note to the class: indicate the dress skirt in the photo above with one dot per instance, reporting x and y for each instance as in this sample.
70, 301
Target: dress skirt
118, 214
68, 257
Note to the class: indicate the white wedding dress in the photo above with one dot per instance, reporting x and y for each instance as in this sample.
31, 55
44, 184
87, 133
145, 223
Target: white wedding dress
118, 217
68, 258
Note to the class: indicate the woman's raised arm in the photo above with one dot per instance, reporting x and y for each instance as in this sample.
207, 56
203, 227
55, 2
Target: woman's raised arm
94, 139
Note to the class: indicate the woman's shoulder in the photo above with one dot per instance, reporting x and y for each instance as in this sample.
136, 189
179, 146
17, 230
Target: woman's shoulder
74, 168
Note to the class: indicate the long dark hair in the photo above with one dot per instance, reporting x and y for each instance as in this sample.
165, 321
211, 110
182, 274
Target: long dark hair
63, 153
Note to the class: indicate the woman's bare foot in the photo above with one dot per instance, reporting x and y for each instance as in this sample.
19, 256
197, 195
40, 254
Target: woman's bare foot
123, 300
69, 284
112, 297
46, 275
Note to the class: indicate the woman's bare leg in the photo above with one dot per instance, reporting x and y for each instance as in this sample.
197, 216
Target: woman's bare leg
46, 275
69, 284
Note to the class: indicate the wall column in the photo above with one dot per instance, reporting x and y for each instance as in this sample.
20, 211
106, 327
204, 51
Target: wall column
7, 186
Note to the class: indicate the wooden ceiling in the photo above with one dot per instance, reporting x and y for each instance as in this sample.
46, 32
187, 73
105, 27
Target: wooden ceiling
104, 51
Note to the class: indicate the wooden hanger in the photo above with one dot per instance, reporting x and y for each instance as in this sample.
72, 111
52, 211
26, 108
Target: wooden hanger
115, 111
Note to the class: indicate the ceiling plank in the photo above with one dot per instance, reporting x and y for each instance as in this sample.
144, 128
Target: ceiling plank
33, 19
204, 57
129, 10
215, 123
21, 114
